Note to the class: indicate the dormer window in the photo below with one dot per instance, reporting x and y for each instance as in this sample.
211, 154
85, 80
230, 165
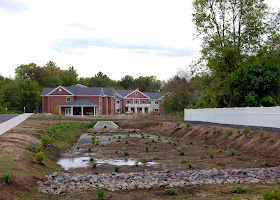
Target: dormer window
68, 99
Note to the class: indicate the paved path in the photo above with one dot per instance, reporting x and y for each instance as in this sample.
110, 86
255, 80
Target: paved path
6, 117
7, 125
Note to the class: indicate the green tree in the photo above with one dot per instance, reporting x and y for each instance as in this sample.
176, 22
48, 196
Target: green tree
230, 30
127, 82
148, 84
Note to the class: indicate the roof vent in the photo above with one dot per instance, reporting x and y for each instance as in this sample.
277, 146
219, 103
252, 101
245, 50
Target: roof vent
81, 86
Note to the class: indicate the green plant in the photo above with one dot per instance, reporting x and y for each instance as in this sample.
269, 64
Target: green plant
211, 155
116, 168
178, 124
153, 140
195, 134
77, 147
136, 163
132, 144
103, 145
100, 194
188, 125
237, 189
40, 131
271, 195
91, 159
40, 157
118, 140
89, 148
126, 141
238, 131
179, 149
205, 137
146, 142
246, 130
266, 164
219, 131
178, 140
124, 149
182, 153
183, 161
226, 137
221, 150
220, 163
242, 158
233, 152
97, 142
155, 146
171, 191
156, 158
6, 178
45, 140
190, 142
38, 149
143, 160
190, 164
174, 143
120, 137
271, 140
261, 131
235, 198
184, 146
116, 150
204, 146
159, 136
126, 153
146, 148
94, 164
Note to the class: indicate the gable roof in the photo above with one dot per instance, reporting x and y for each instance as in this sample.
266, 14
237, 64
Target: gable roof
124, 93
154, 95
76, 90
79, 102
109, 91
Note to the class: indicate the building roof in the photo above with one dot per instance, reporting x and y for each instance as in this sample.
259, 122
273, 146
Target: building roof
109, 91
123, 93
154, 95
79, 102
77, 90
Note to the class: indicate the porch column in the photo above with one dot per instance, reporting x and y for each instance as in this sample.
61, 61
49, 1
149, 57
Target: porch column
59, 110
82, 111
94, 110
143, 110
71, 111
135, 110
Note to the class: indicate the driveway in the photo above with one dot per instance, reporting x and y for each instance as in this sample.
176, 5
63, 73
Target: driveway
6, 117
12, 121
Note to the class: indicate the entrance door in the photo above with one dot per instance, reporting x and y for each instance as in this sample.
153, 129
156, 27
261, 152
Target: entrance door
67, 111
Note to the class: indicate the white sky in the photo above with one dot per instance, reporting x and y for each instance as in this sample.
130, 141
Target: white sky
124, 37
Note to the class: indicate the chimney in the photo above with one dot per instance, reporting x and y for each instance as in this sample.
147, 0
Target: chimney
136, 88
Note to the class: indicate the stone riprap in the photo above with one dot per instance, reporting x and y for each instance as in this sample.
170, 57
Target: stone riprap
58, 183
92, 130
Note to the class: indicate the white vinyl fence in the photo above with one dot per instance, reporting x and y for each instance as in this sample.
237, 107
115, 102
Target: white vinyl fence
247, 116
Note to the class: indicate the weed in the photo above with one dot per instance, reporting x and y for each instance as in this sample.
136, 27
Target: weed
38, 149
266, 164
220, 163
239, 132
40, 157
118, 140
116, 151
211, 155
94, 164
183, 161
45, 140
126, 153
233, 152
205, 137
143, 160
116, 168
237, 189
126, 141
171, 191
146, 148
271, 195
77, 147
91, 159
100, 194
155, 146
188, 125
182, 153
190, 164
221, 150
178, 124
89, 148
156, 158
246, 130
271, 140
219, 131
6, 178
204, 146
226, 137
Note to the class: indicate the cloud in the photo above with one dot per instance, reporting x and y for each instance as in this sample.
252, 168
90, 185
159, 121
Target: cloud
13, 6
69, 45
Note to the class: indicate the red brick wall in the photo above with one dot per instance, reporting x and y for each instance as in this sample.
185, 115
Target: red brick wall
60, 92
45, 105
55, 101
133, 95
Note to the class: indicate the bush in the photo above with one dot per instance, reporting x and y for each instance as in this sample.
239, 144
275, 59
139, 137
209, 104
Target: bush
271, 195
178, 124
143, 160
226, 137
146, 148
100, 194
126, 153
89, 148
204, 146
45, 140
171, 191
188, 125
94, 164
183, 161
155, 146
219, 131
6, 178
190, 142
156, 158
136, 163
189, 164
271, 140
116, 150
91, 159
246, 130
238, 131
77, 147
126, 141
211, 155
237, 189
118, 140
182, 153
233, 152
116, 168
39, 149
221, 150
205, 137
220, 163
40, 157
266, 164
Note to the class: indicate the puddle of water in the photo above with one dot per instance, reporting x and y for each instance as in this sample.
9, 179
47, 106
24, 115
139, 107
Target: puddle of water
68, 163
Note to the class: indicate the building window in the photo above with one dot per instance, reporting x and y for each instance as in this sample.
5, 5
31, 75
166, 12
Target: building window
68, 99
118, 110
136, 93
136, 101
59, 89
156, 102
127, 102
144, 101
156, 110
118, 102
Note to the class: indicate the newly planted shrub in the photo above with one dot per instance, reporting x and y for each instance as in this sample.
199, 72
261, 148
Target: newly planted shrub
116, 168
271, 195
190, 142
226, 137
178, 124
91, 159
220, 163
183, 161
94, 164
155, 146
100, 194
239, 132
188, 125
40, 157
97, 142
77, 147
205, 137
246, 130
118, 140
136, 163
233, 152
116, 151
204, 146
6, 178
271, 140
182, 153
221, 150
171, 191
190, 164
153, 140
45, 140
211, 155
143, 160
146, 148
219, 131
266, 164
89, 148
156, 158
126, 153
178, 140
38, 149
237, 189
126, 141
261, 131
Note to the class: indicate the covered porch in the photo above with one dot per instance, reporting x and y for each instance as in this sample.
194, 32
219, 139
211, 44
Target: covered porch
138, 108
79, 107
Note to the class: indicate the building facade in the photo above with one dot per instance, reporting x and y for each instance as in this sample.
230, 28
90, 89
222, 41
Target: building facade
82, 100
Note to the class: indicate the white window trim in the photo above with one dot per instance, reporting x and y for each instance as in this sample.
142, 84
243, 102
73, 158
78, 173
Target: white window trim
127, 101
136, 93
67, 99
136, 101
156, 102
156, 110
144, 102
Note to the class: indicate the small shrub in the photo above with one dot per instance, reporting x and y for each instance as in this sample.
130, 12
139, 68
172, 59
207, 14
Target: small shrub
156, 158
219, 131
94, 164
188, 125
183, 161
239, 132
205, 137
40, 131
126, 153
118, 140
214, 128
174, 144
6, 178
116, 151
45, 140
178, 124
221, 150
233, 152
136, 163
143, 160
100, 194
159, 136
91, 159
220, 163
132, 144
195, 134
146, 142
124, 149
120, 137
89, 148
116, 168
103, 145
190, 142
146, 148
38, 149
182, 153
242, 158
97, 142
204, 146
266, 164
190, 164
237, 189
126, 141
246, 130
179, 149
155, 146
271, 140
235, 198
178, 140
171, 191
211, 155
226, 137
40, 157
184, 147
271, 195
261, 131
153, 140
77, 147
